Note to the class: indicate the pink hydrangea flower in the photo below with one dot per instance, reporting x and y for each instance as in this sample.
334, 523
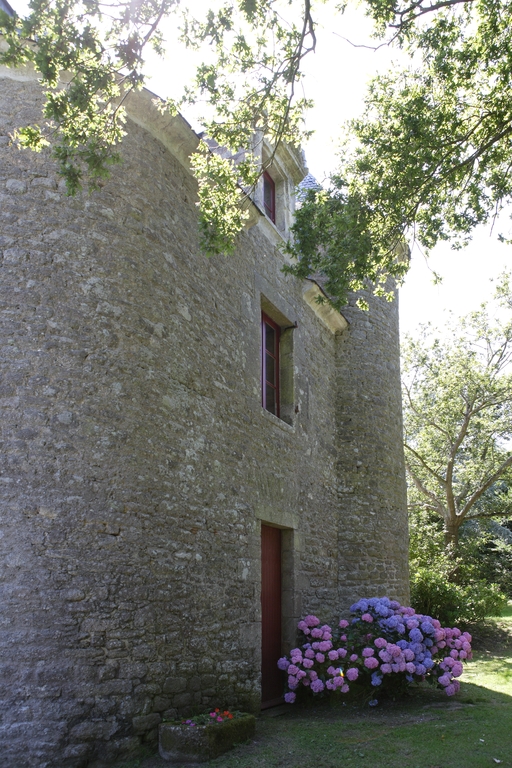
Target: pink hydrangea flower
368, 652
457, 669
317, 686
371, 662
342, 652
290, 697
317, 633
352, 674
333, 655
380, 642
292, 669
320, 658
367, 617
310, 654
307, 663
325, 646
345, 688
343, 623
354, 657
312, 621
386, 669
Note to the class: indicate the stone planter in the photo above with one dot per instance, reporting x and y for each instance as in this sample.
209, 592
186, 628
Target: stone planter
180, 744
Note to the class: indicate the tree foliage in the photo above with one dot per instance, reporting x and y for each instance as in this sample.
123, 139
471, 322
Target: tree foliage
90, 56
458, 419
463, 585
429, 159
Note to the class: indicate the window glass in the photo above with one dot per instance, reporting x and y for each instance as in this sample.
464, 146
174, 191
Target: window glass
269, 196
270, 365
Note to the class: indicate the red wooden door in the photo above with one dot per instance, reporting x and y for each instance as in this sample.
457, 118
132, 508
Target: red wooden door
271, 676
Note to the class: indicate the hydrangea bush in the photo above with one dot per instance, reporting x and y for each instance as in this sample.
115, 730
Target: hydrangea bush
382, 649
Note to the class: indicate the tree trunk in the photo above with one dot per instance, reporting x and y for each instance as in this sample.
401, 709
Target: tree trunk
451, 535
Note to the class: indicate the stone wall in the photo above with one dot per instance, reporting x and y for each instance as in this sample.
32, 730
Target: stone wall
373, 545
137, 463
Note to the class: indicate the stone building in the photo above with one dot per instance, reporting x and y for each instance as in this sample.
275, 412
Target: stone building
141, 476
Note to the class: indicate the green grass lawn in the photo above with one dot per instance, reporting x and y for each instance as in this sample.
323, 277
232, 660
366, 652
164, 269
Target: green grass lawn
427, 729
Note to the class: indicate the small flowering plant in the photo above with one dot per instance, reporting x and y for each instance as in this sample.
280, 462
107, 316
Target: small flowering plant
382, 649
211, 718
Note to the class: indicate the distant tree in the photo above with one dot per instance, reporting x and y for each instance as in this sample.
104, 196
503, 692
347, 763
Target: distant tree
458, 418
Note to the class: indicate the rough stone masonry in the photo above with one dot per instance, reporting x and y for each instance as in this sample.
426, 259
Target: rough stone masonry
138, 464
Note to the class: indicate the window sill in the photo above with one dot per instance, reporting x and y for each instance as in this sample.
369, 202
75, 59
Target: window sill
277, 421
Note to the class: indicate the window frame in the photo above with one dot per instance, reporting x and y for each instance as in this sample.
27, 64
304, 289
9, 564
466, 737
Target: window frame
269, 184
275, 384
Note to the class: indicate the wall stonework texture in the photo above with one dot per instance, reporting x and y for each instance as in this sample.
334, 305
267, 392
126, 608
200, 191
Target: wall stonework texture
137, 463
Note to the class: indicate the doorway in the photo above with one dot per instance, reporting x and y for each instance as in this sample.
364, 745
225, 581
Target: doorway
271, 617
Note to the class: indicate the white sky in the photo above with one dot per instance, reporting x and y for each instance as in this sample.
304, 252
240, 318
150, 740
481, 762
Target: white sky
336, 76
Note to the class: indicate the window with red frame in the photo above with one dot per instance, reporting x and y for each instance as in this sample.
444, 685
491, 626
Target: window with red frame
270, 333
269, 196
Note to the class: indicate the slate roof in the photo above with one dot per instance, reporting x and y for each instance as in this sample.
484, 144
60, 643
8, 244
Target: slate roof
308, 182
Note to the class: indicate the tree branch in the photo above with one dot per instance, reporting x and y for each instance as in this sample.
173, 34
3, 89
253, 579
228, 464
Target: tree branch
440, 479
492, 479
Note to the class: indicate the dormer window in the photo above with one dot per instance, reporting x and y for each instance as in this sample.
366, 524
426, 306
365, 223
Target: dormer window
269, 196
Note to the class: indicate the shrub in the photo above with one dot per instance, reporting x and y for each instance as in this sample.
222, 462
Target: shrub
433, 594
461, 586
381, 650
